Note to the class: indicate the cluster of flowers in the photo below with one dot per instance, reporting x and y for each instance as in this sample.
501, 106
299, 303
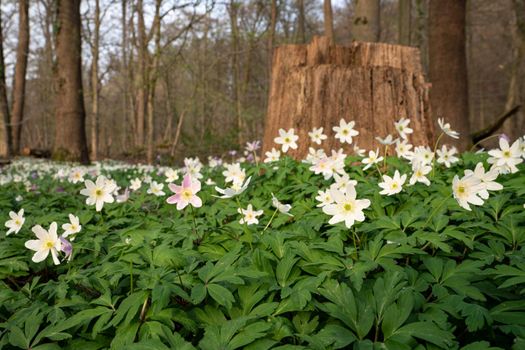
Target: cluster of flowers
339, 200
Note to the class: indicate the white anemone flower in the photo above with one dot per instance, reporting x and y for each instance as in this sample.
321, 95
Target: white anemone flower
506, 157
156, 188
402, 128
17, 221
486, 178
445, 127
317, 136
236, 189
98, 193
387, 141
324, 198
135, 184
287, 139
447, 156
72, 227
466, 190
346, 207
250, 215
373, 158
283, 208
392, 185
419, 174
345, 131
272, 156
47, 241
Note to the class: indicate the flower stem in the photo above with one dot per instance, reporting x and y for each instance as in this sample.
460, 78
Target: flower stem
195, 231
269, 222
434, 156
483, 140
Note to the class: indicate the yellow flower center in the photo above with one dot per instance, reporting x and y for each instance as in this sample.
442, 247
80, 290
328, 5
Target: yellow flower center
287, 140
17, 222
98, 193
506, 154
187, 194
50, 244
345, 132
347, 207
394, 186
461, 189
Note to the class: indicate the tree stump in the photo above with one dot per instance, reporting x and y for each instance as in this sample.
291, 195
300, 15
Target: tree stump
374, 84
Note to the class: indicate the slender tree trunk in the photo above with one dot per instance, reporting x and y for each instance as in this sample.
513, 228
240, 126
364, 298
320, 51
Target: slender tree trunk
404, 21
153, 74
271, 34
301, 23
6, 146
366, 25
142, 90
234, 10
19, 84
328, 21
70, 134
124, 72
95, 84
448, 65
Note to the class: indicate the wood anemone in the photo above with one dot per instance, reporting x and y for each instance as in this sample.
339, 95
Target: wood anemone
374, 84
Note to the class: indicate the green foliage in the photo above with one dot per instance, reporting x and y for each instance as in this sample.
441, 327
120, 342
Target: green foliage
419, 273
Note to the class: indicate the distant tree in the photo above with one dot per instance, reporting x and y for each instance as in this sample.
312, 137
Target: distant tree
448, 65
5, 129
404, 21
19, 84
301, 22
328, 20
70, 134
366, 25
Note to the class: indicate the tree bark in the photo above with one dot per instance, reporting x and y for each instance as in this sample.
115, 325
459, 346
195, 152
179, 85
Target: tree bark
404, 21
142, 94
6, 146
328, 21
375, 85
236, 69
271, 34
19, 83
366, 25
448, 65
95, 83
70, 134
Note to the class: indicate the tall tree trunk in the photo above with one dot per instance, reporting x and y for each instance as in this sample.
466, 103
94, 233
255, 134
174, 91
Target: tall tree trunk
153, 74
124, 72
301, 23
19, 84
236, 68
448, 65
366, 25
328, 21
271, 34
404, 21
142, 91
95, 83
6, 146
70, 133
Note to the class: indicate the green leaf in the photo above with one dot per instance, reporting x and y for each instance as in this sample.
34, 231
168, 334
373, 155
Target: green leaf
221, 295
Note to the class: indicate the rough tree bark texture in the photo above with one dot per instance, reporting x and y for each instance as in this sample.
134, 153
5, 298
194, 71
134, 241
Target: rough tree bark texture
404, 21
448, 65
70, 133
328, 20
366, 24
375, 85
19, 84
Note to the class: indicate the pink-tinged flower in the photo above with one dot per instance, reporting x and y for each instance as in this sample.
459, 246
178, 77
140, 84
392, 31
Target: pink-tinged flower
185, 194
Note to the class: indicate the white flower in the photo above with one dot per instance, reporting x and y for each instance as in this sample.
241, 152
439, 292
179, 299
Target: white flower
324, 198
16, 222
419, 172
447, 130
171, 175
147, 179
234, 173
317, 136
323, 166
392, 185
76, 175
236, 189
287, 139
209, 182
359, 151
72, 227
387, 141
98, 193
466, 190
135, 184
193, 166
314, 155
402, 128
446, 156
121, 198
522, 146
283, 208
403, 149
346, 207
250, 216
486, 178
46, 242
342, 181
345, 131
156, 189
507, 157
423, 155
272, 156
372, 159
